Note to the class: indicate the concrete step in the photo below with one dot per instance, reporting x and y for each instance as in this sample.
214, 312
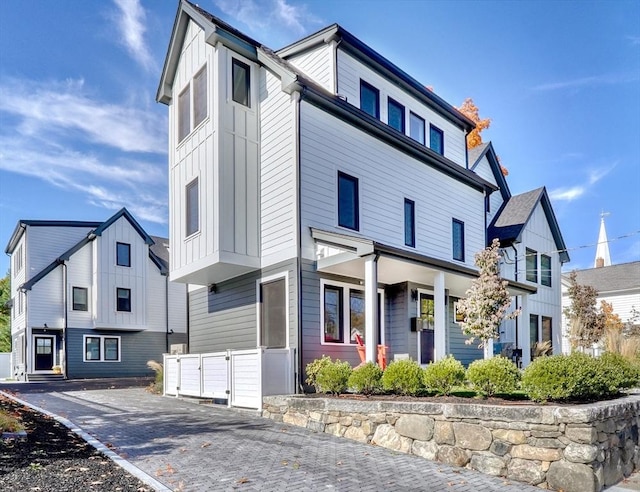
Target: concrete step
42, 378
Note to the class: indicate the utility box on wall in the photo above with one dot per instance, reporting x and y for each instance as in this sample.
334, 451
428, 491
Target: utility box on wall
178, 348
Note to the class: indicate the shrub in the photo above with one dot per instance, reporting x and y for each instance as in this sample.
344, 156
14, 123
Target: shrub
443, 375
313, 368
495, 375
158, 384
366, 379
622, 372
333, 377
9, 423
403, 377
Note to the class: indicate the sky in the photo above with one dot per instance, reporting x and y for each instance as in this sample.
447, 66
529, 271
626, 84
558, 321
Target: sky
81, 135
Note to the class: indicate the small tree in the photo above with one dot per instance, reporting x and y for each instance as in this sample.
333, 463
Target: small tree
5, 311
586, 322
488, 299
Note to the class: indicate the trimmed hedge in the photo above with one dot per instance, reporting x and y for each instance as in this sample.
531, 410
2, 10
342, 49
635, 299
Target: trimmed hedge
366, 379
333, 377
403, 377
492, 376
443, 375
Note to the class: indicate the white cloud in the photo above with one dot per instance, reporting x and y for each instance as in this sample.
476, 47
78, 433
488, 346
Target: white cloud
595, 80
634, 40
570, 193
130, 21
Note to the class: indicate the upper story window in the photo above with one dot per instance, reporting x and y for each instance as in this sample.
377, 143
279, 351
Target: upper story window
409, 223
369, 99
348, 202
80, 299
457, 233
545, 270
241, 82
436, 139
17, 260
123, 254
192, 208
416, 127
531, 265
200, 107
123, 299
395, 115
184, 113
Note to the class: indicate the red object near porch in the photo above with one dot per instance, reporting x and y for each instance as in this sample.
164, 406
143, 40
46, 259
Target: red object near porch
382, 353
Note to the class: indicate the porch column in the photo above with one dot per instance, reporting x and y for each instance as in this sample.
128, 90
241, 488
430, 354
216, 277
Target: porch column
524, 337
439, 317
371, 307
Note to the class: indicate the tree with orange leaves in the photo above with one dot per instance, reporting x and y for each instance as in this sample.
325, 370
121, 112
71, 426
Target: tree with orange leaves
471, 111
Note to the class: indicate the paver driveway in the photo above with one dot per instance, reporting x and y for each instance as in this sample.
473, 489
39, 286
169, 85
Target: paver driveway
193, 447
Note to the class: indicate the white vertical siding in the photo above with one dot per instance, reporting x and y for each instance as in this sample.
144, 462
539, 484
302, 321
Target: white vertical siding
350, 71
46, 301
156, 294
483, 169
45, 244
386, 176
178, 307
17, 279
79, 274
318, 64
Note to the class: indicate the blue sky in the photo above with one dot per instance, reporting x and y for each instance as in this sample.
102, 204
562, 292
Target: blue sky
81, 134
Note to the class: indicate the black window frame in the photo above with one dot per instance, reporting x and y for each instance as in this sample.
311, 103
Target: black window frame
339, 292
192, 210
413, 115
76, 306
92, 359
355, 202
434, 130
393, 103
375, 92
246, 99
121, 260
409, 223
531, 265
104, 349
121, 307
460, 224
545, 270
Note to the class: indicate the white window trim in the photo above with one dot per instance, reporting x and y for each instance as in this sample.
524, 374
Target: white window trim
345, 312
102, 352
195, 126
198, 232
264, 280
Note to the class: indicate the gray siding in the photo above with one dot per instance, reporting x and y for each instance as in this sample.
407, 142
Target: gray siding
456, 340
398, 326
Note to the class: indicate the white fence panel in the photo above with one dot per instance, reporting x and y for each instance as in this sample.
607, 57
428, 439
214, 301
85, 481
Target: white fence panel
215, 375
171, 375
246, 378
5, 365
190, 375
277, 373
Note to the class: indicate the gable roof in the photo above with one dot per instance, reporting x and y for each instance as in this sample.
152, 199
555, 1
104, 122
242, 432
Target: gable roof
123, 212
625, 276
159, 253
514, 214
474, 157
23, 224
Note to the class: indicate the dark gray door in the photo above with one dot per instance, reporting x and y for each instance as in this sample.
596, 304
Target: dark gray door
44, 353
426, 336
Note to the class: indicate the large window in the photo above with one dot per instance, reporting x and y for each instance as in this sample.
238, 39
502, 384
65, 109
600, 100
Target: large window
409, 222
101, 348
348, 202
241, 82
531, 265
80, 299
184, 113
395, 115
534, 330
17, 260
546, 329
545, 270
369, 99
458, 239
436, 139
416, 128
123, 254
340, 324
192, 208
123, 299
200, 96
273, 314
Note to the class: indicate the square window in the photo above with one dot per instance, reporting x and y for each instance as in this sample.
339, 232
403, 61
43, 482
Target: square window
92, 348
184, 113
111, 348
200, 96
348, 201
369, 99
532, 265
123, 254
409, 222
241, 82
436, 139
395, 115
458, 239
545, 270
80, 299
333, 331
416, 128
192, 207
124, 299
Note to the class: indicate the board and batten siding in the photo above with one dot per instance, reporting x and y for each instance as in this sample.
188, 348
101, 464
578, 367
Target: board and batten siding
79, 274
483, 169
45, 301
386, 176
228, 318
18, 320
318, 64
44, 244
350, 71
278, 211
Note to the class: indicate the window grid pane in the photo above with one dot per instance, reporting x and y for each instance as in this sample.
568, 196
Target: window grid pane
395, 115
458, 240
92, 348
357, 314
333, 314
80, 300
123, 254
111, 349
409, 223
241, 83
436, 139
533, 330
193, 219
124, 300
545, 270
348, 212
184, 113
200, 96
369, 99
531, 265
416, 128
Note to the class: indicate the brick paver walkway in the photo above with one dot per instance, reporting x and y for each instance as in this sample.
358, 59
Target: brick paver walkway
194, 447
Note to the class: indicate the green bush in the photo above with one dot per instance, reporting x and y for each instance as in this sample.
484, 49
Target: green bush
403, 377
313, 368
495, 375
366, 379
443, 375
623, 373
333, 377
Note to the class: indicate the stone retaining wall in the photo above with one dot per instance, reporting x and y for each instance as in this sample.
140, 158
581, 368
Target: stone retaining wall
579, 448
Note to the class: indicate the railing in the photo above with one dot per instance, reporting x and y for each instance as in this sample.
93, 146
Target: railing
242, 377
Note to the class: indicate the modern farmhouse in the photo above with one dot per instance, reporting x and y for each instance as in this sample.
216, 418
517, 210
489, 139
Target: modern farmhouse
320, 195
91, 299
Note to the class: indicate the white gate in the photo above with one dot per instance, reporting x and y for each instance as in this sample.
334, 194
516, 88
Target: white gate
242, 377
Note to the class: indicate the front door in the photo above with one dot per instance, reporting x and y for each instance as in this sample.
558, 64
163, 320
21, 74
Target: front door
426, 312
44, 353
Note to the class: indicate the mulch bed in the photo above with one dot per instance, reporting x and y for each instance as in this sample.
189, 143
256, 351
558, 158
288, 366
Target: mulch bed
52, 459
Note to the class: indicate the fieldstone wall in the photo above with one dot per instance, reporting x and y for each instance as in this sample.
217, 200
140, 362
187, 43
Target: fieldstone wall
578, 448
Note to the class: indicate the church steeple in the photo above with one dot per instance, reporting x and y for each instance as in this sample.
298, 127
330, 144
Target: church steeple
602, 251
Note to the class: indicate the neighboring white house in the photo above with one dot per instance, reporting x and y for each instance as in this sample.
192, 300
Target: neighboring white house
91, 297
319, 192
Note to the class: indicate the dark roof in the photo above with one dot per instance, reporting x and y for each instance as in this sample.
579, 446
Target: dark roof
611, 278
123, 212
159, 252
514, 214
486, 149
